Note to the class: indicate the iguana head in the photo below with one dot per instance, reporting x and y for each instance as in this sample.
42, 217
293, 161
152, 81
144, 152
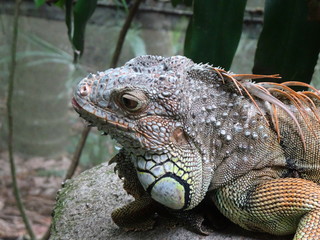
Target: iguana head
145, 105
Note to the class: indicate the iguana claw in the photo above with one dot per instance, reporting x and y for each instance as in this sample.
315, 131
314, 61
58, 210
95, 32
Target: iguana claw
192, 220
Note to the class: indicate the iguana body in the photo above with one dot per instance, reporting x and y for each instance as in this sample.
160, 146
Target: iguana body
191, 131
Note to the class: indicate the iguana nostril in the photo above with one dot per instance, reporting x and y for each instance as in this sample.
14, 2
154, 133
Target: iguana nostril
84, 90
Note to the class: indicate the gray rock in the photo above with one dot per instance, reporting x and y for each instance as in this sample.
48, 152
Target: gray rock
84, 206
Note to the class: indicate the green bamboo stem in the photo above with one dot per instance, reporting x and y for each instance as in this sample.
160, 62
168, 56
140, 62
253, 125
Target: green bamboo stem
16, 190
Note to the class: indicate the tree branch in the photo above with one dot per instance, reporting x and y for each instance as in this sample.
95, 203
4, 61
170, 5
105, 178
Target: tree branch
16, 190
77, 153
123, 33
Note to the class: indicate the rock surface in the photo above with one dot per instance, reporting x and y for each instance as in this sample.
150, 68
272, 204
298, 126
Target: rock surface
84, 206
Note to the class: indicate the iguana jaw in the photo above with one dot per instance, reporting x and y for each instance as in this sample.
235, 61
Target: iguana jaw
97, 115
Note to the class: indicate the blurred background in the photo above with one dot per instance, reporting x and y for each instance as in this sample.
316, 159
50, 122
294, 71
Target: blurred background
46, 130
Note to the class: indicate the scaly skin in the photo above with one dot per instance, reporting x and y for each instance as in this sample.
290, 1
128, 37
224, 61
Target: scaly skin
139, 214
193, 133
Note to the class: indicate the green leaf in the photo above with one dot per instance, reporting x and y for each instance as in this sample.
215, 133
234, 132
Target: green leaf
60, 3
125, 6
48, 60
46, 46
39, 54
39, 2
82, 11
289, 43
214, 31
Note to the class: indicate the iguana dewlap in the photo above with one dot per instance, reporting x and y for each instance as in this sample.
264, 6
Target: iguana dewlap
191, 131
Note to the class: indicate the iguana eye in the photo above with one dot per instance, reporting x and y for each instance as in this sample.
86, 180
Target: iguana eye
130, 102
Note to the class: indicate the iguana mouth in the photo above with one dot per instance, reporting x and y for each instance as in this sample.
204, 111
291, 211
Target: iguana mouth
104, 116
75, 105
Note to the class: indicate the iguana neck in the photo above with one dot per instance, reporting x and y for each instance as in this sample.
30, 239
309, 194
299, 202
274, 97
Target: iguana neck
228, 131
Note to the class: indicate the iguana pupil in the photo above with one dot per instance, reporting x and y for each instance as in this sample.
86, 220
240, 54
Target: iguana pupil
129, 103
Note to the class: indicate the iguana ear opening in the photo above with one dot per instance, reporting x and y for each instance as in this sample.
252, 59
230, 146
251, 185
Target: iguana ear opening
179, 137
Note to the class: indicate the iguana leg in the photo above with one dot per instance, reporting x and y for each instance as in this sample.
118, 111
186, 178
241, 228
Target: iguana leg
277, 206
139, 214
192, 220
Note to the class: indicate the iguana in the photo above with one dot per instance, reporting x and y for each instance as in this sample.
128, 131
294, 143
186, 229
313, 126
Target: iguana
192, 132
